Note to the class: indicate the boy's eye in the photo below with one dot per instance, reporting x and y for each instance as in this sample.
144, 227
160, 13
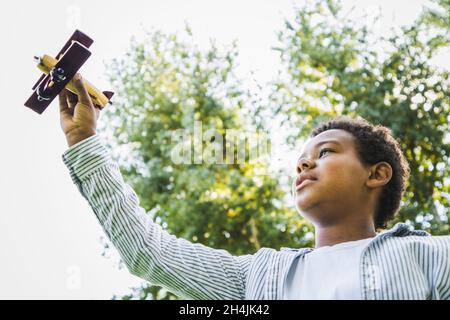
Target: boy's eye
322, 151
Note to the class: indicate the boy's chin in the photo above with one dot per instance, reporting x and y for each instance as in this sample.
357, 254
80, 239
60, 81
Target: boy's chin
300, 210
305, 203
304, 200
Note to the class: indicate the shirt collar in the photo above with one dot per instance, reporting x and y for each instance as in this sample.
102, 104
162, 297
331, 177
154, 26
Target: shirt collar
398, 230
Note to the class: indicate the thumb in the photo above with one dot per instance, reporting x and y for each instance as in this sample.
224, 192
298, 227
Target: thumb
83, 95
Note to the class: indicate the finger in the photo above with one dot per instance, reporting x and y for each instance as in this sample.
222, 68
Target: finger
71, 106
72, 99
63, 107
63, 98
83, 95
97, 112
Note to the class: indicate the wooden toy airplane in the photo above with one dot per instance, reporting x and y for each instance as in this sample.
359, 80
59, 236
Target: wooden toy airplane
59, 71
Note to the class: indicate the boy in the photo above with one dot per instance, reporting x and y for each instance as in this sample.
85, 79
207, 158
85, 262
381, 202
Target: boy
350, 179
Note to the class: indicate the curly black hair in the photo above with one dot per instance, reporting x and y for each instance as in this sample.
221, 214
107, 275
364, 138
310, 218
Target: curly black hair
375, 143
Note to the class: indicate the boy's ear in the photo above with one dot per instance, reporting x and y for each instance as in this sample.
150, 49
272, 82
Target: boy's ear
379, 174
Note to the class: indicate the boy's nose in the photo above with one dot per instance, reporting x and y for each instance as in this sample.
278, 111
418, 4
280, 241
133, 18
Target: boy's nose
304, 163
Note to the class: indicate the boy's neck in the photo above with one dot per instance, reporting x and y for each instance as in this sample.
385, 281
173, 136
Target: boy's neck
343, 232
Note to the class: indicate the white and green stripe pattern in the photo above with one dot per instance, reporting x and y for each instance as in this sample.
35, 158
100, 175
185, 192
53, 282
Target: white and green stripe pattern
398, 264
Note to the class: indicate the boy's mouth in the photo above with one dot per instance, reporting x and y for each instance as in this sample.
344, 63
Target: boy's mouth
304, 179
304, 183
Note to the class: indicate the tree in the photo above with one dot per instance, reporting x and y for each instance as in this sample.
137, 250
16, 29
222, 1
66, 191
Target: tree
166, 83
333, 65
332, 68
435, 22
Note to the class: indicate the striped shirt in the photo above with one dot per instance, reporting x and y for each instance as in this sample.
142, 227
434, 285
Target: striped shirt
399, 263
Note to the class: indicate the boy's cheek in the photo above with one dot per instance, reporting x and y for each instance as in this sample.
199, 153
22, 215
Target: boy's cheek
339, 174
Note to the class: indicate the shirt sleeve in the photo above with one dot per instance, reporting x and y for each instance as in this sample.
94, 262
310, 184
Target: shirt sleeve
190, 270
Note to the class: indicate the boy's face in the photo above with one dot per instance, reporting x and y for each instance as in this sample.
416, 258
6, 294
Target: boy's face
340, 187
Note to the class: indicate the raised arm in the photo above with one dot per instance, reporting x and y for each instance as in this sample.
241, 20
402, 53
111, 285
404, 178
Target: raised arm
187, 269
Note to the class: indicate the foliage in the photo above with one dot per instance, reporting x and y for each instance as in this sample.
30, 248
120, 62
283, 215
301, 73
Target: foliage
333, 68
166, 83
333, 65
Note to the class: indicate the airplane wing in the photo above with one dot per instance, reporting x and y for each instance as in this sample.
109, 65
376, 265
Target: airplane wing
76, 36
51, 84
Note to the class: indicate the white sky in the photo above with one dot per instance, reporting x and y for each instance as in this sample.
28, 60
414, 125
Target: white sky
49, 236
